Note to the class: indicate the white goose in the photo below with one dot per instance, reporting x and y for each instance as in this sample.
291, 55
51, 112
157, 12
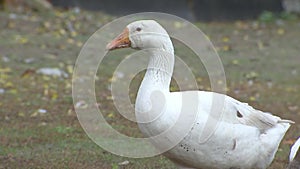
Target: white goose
244, 138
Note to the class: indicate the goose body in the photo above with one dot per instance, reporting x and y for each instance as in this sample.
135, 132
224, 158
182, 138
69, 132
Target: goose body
243, 137
234, 144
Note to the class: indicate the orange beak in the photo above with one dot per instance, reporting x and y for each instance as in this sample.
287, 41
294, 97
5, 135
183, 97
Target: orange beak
121, 41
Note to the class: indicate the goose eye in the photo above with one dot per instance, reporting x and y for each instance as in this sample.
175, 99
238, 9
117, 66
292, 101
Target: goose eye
138, 29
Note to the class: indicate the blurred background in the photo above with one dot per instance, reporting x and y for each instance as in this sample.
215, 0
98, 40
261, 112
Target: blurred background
193, 10
257, 40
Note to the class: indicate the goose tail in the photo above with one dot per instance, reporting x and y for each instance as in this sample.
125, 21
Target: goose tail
286, 121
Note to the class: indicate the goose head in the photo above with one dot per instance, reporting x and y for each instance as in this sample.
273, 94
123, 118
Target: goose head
143, 34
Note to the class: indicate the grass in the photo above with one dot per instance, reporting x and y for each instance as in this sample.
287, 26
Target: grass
261, 61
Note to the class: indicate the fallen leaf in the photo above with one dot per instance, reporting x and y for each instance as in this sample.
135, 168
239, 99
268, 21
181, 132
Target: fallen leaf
70, 69
110, 115
21, 39
21, 114
34, 114
5, 70
70, 41
54, 96
252, 98
62, 31
235, 62
289, 141
13, 91
225, 39
280, 31
226, 48
74, 34
260, 45
79, 43
27, 73
8, 84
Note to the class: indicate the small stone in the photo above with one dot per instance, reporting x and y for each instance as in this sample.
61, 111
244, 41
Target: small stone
124, 163
42, 111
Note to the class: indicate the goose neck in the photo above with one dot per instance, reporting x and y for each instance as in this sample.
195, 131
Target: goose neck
159, 70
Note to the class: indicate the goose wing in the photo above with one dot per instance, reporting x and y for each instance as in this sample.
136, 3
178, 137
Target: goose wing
247, 115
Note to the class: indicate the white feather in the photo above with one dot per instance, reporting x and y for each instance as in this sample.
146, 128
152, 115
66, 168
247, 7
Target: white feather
243, 138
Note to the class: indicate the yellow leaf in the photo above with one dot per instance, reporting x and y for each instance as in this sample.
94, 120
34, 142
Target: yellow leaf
43, 46
42, 124
251, 98
199, 79
47, 24
112, 79
227, 89
226, 48
46, 78
70, 69
5, 70
21, 39
34, 114
173, 88
8, 84
73, 33
62, 47
61, 64
110, 115
72, 18
46, 86
54, 96
109, 97
260, 45
56, 35
59, 14
70, 112
79, 44
46, 92
62, 31
27, 73
225, 39
11, 25
280, 31
21, 114
208, 88
33, 18
235, 62
246, 37
290, 89
70, 41
13, 91
68, 85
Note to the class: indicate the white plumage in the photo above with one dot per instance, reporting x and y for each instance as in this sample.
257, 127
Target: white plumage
243, 138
